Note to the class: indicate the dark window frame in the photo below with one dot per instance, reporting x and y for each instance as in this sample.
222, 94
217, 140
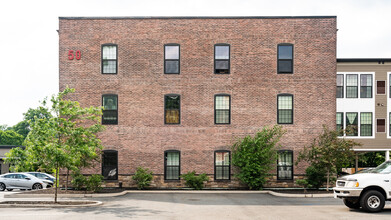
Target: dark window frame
352, 86
116, 175
165, 165
285, 179
361, 124
278, 59
366, 86
385, 121
116, 58
229, 166
377, 87
116, 122
215, 110
346, 122
179, 110
293, 107
229, 58
342, 119
343, 83
179, 57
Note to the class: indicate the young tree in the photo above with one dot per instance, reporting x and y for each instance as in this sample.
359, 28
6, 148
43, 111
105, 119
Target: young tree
66, 138
328, 151
256, 156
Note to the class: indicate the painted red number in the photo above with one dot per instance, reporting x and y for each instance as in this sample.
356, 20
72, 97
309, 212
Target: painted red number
78, 54
70, 55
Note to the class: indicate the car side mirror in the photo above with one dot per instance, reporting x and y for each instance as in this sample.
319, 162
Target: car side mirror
27, 178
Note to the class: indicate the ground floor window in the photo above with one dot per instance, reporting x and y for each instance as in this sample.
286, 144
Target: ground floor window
222, 165
285, 165
172, 165
110, 165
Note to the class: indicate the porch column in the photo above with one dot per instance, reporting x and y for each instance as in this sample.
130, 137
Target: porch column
387, 155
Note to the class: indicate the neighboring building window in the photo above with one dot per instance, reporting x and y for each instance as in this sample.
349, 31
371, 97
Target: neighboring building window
340, 123
339, 86
172, 106
110, 165
366, 86
351, 86
222, 165
285, 58
381, 87
390, 85
222, 109
171, 59
172, 165
222, 58
285, 109
381, 125
109, 59
285, 165
110, 109
389, 119
366, 124
351, 124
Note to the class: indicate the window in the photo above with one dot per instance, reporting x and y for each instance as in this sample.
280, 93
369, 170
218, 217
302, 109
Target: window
110, 165
339, 86
109, 59
351, 124
222, 109
340, 123
285, 109
172, 165
366, 86
285, 58
110, 109
285, 165
172, 109
389, 120
381, 87
366, 124
390, 85
381, 125
222, 56
351, 86
171, 59
222, 165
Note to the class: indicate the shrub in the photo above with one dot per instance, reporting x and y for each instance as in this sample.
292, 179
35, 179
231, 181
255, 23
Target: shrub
193, 181
78, 180
94, 182
315, 176
142, 177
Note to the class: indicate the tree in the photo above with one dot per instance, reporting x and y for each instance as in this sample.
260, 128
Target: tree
23, 127
328, 151
66, 138
10, 137
256, 156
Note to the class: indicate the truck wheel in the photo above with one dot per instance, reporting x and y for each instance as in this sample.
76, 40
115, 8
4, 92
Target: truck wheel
372, 201
352, 203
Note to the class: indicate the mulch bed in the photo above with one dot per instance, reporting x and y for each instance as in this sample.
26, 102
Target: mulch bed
71, 191
300, 191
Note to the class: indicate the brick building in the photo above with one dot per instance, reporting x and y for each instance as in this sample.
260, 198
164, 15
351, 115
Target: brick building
178, 91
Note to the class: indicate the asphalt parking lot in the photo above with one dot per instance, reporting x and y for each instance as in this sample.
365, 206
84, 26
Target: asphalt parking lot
200, 206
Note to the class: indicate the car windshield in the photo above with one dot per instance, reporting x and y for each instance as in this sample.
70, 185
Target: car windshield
382, 168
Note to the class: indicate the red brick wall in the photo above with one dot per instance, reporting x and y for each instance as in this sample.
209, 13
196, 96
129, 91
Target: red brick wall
141, 136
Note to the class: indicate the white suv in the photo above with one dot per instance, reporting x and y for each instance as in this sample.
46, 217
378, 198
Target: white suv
368, 190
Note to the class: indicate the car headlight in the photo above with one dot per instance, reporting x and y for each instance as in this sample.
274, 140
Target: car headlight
352, 184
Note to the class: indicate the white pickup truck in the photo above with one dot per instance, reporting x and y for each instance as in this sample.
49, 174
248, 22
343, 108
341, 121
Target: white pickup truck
368, 190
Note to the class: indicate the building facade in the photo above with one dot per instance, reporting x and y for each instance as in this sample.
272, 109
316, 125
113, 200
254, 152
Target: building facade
178, 91
363, 96
4, 167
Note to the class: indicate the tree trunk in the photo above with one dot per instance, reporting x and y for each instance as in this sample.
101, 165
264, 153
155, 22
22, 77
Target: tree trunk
66, 183
57, 182
328, 179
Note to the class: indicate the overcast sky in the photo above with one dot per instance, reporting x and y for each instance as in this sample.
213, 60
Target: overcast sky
29, 58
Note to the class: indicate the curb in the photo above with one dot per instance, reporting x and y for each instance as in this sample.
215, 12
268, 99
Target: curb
103, 195
97, 203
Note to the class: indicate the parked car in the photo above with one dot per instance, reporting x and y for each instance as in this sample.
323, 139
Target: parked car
11, 181
45, 177
368, 189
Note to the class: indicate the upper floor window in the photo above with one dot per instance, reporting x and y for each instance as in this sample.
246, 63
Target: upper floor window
351, 86
381, 87
222, 165
110, 164
285, 58
285, 109
366, 86
366, 124
172, 106
110, 109
222, 58
109, 59
285, 165
339, 85
340, 123
222, 109
171, 59
172, 169
351, 124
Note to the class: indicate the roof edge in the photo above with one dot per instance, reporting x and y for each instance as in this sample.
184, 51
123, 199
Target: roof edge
357, 60
194, 17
